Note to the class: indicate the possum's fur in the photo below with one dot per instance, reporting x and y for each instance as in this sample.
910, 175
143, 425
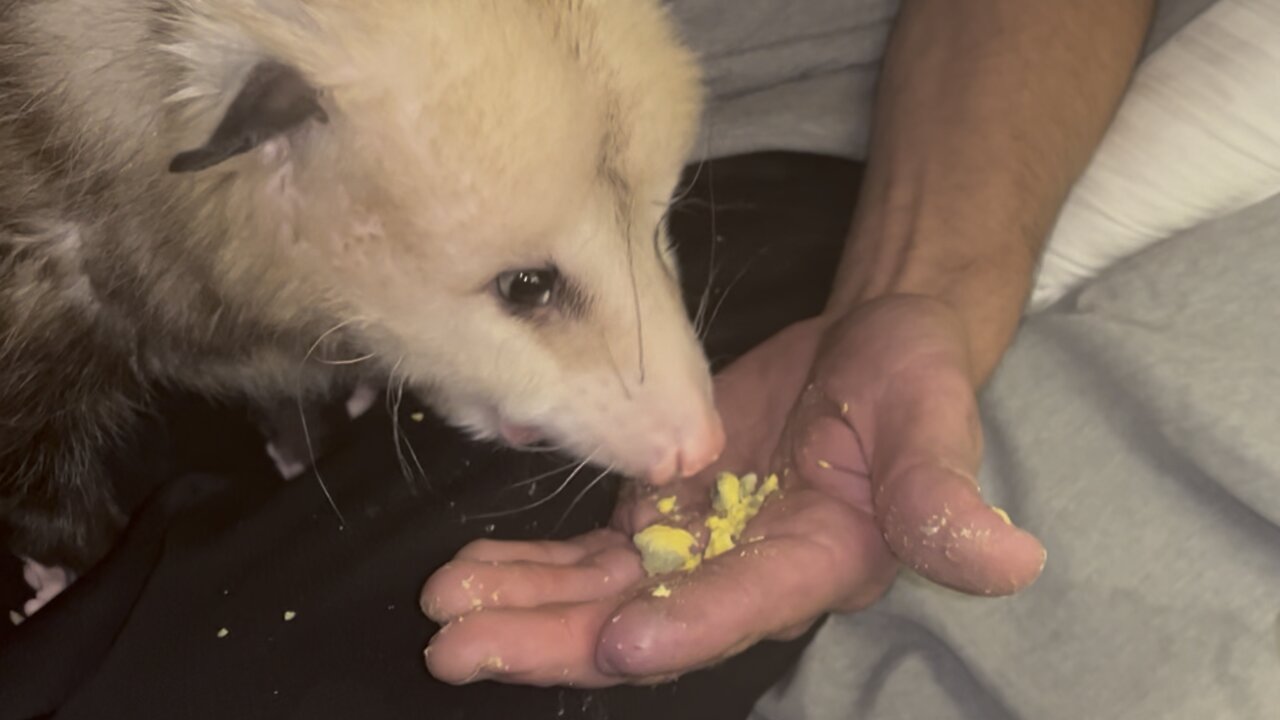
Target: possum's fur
432, 146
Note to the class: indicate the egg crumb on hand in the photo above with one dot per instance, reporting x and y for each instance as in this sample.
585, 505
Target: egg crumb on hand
1003, 515
666, 506
736, 500
665, 549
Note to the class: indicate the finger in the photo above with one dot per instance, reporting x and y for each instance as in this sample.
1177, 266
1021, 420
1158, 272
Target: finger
540, 647
465, 586
818, 555
939, 526
554, 552
927, 497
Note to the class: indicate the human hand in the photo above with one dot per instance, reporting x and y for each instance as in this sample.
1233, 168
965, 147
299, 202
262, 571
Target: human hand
870, 420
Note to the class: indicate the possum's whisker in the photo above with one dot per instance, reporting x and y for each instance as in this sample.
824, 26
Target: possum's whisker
352, 361
543, 476
543, 449
413, 454
724, 295
306, 429
543, 501
697, 172
393, 409
635, 294
315, 468
323, 336
391, 378
705, 301
581, 495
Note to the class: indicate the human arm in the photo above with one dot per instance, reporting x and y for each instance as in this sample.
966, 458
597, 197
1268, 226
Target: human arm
986, 114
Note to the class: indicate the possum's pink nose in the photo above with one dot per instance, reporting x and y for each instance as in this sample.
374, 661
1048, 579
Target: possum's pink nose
697, 447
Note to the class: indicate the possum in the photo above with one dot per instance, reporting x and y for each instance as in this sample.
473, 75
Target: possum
232, 196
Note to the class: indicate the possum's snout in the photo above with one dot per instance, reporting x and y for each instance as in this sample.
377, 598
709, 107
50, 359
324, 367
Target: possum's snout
697, 440
655, 441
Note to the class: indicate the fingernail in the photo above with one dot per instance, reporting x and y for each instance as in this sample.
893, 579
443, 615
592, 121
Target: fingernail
485, 670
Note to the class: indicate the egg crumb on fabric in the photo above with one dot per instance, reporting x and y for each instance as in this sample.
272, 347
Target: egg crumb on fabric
666, 506
223, 633
289, 615
736, 500
662, 591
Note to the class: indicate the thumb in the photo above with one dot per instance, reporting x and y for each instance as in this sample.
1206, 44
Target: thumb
925, 492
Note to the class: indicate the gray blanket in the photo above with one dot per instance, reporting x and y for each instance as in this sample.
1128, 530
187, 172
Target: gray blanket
1135, 427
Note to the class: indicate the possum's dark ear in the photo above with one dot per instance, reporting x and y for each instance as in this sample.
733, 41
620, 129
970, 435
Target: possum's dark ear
274, 100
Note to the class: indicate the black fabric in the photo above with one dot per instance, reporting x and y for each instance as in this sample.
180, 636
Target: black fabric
226, 544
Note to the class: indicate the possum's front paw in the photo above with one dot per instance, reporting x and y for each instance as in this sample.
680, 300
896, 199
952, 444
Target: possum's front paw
47, 582
299, 434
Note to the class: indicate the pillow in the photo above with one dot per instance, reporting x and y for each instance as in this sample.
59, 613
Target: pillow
1196, 137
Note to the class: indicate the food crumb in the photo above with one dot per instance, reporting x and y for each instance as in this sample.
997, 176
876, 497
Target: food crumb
666, 506
16, 618
1003, 515
418, 417
662, 591
736, 501
824, 464
289, 615
223, 633
665, 549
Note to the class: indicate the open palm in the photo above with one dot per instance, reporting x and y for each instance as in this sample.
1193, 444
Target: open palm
869, 419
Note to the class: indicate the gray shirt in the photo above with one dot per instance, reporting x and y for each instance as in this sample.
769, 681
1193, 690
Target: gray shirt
800, 75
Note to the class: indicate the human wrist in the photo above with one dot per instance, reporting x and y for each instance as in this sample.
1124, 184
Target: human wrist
981, 274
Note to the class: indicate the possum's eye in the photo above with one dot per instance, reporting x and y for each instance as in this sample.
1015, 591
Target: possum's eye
527, 289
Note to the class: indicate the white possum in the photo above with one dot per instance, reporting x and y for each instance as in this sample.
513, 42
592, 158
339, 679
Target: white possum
225, 194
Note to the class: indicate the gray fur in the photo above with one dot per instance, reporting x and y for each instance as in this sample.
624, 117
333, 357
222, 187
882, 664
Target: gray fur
105, 287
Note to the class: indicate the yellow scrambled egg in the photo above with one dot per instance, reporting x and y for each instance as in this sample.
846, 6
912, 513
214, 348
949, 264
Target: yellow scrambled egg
665, 549
736, 500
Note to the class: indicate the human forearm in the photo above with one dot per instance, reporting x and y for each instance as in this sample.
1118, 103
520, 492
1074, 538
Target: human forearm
987, 113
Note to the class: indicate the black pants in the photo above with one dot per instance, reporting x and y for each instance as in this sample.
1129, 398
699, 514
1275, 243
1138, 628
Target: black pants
223, 545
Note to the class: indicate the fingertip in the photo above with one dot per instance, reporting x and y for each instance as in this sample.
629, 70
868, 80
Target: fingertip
625, 647
442, 664
938, 525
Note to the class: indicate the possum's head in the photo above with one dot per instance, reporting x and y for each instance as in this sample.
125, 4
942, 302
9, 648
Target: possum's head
477, 192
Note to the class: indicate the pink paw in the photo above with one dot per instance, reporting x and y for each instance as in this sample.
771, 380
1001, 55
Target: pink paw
361, 400
47, 583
